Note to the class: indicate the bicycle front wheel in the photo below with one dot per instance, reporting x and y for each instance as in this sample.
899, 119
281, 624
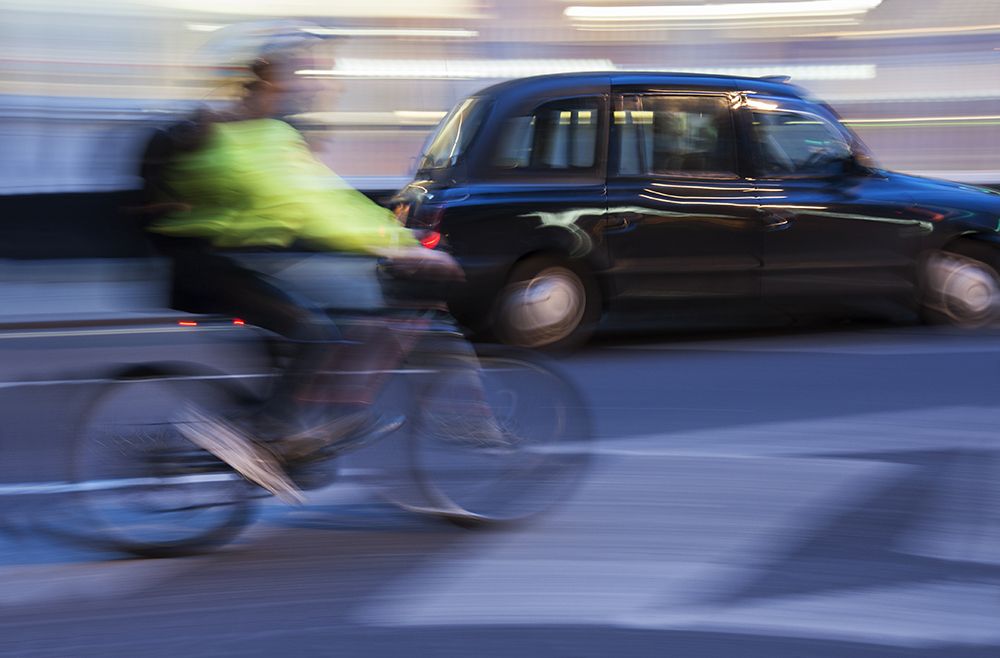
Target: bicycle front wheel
498, 440
142, 487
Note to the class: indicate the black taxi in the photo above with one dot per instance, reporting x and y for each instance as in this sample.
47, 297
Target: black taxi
689, 198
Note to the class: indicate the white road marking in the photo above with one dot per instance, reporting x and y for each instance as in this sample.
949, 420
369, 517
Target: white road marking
28, 488
46, 333
954, 428
859, 351
109, 380
181, 378
56, 487
798, 345
571, 568
91, 580
915, 616
747, 496
692, 539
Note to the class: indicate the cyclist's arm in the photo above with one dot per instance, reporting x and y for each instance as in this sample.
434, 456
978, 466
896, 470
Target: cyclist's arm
304, 195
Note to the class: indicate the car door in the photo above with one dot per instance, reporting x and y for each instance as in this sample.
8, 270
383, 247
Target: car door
838, 234
539, 181
682, 224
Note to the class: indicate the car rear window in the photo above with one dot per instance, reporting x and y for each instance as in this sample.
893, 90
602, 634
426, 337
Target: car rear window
454, 134
558, 136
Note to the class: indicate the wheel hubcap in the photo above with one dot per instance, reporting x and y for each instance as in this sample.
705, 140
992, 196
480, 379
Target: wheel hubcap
546, 308
967, 290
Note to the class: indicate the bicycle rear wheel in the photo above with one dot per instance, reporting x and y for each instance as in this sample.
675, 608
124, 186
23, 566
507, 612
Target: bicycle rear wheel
142, 487
524, 451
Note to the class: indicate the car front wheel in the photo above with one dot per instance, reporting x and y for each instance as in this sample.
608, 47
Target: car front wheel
960, 290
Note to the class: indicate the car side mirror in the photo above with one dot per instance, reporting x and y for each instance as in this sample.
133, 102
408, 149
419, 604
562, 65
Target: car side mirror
858, 164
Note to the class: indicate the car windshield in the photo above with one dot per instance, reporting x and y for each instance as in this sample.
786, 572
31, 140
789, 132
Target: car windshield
861, 152
453, 134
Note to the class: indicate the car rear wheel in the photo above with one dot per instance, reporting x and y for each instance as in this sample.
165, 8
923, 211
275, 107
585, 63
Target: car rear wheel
547, 303
960, 290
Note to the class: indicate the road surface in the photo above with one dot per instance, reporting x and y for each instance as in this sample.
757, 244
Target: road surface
829, 493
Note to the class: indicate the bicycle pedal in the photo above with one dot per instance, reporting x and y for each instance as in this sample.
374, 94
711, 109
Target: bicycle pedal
309, 477
377, 430
195, 459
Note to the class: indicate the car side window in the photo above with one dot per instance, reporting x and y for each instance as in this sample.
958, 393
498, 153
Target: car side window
677, 136
798, 144
558, 136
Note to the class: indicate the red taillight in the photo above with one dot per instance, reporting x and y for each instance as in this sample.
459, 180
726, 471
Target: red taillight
430, 239
187, 323
238, 322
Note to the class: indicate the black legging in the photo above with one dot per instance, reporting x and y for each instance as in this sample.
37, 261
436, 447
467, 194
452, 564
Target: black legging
206, 281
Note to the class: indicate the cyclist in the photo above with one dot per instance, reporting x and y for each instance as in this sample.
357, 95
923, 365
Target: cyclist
237, 189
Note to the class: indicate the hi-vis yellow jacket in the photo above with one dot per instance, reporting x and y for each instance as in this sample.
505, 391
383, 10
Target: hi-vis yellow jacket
255, 183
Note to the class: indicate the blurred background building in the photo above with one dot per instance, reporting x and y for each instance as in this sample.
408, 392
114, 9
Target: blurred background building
81, 83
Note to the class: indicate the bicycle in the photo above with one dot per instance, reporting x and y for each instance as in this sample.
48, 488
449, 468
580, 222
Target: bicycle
144, 489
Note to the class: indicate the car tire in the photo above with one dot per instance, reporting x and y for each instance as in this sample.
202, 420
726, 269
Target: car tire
547, 303
961, 287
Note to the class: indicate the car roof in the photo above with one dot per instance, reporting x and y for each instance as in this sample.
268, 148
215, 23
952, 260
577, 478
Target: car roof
560, 81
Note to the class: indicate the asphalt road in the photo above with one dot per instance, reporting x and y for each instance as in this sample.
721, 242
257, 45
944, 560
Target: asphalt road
828, 493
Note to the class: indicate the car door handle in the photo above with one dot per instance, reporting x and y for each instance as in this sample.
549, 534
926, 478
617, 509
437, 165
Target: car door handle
775, 220
622, 222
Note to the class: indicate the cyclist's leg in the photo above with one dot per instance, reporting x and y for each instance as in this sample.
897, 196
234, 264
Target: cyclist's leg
337, 376
208, 282
211, 282
328, 385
